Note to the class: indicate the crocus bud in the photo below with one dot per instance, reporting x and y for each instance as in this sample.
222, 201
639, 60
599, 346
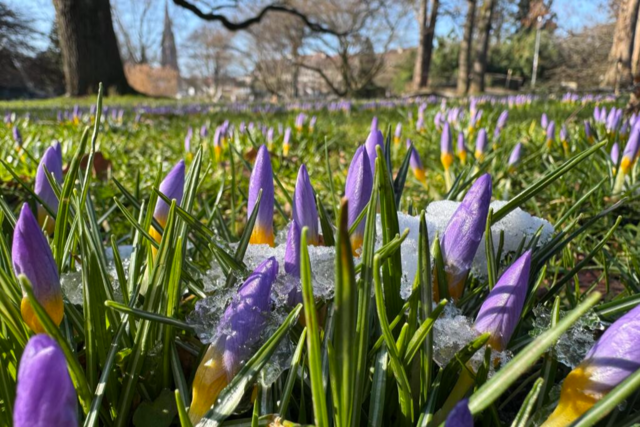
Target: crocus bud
292, 263
420, 124
312, 123
52, 161
630, 151
502, 120
544, 121
500, 312
171, 186
374, 124
45, 396
204, 131
446, 151
397, 135
481, 144
238, 333
463, 234
17, 136
587, 131
187, 139
551, 133
358, 192
615, 154
462, 149
416, 164
262, 179
299, 122
564, 135
374, 139
460, 415
305, 213
32, 257
514, 158
217, 143
286, 142
610, 361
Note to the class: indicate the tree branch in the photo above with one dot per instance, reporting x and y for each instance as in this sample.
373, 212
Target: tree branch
243, 25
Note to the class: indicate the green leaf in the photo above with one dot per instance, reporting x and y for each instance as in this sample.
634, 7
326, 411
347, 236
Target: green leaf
160, 413
524, 413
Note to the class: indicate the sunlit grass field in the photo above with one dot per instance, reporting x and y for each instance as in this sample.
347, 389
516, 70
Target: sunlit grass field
358, 354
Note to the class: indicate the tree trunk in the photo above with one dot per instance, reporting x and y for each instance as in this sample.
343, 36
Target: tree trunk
425, 44
619, 71
482, 49
635, 58
465, 49
89, 47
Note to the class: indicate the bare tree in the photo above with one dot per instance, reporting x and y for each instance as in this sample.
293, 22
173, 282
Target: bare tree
210, 53
348, 63
254, 16
464, 58
482, 46
427, 25
89, 47
619, 71
137, 25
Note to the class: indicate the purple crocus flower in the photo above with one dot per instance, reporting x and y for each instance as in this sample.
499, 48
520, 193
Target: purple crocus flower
204, 131
500, 312
187, 139
237, 335
52, 160
416, 164
17, 136
300, 121
286, 142
544, 121
45, 396
564, 134
262, 179
502, 120
312, 123
460, 415
587, 131
481, 144
374, 123
397, 135
217, 142
462, 236
446, 150
292, 263
610, 361
514, 158
420, 124
358, 192
551, 133
630, 151
462, 148
305, 213
32, 257
171, 186
375, 139
615, 153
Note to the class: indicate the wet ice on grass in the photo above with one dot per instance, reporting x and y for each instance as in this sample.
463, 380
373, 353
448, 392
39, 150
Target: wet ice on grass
574, 344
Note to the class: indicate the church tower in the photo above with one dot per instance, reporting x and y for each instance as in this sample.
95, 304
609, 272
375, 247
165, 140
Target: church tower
169, 56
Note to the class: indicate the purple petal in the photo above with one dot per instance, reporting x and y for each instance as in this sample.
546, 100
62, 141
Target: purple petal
244, 320
32, 257
375, 139
173, 187
500, 312
262, 179
460, 415
358, 187
305, 212
52, 160
45, 396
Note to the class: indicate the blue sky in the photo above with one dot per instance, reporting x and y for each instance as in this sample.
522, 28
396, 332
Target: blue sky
573, 15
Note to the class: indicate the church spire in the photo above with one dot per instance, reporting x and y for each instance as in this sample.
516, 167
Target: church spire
169, 57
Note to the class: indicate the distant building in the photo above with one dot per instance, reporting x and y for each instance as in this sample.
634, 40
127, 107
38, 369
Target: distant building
169, 54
